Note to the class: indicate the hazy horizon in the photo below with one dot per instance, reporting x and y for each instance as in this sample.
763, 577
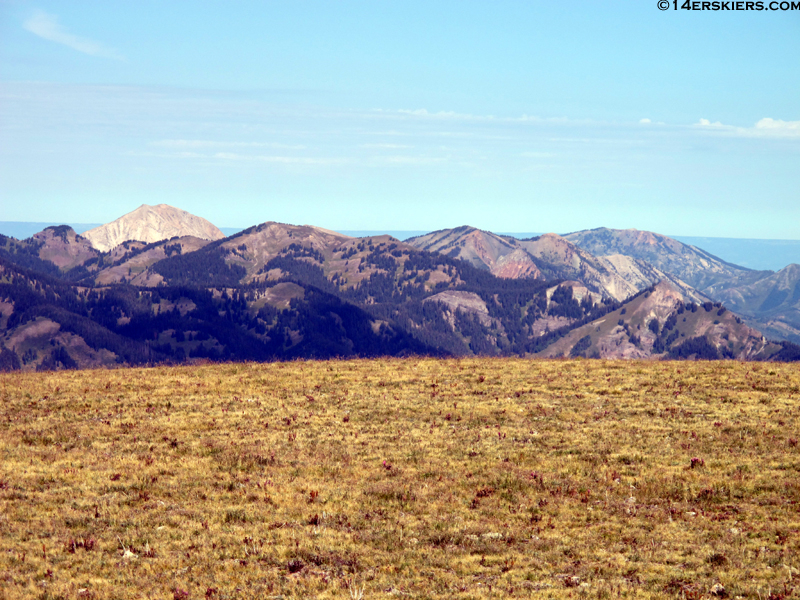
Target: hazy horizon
753, 253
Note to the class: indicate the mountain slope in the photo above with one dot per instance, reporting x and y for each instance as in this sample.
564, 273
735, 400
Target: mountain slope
482, 249
693, 265
323, 258
617, 276
130, 260
151, 224
769, 301
662, 322
393, 281
57, 251
548, 256
64, 248
772, 304
48, 324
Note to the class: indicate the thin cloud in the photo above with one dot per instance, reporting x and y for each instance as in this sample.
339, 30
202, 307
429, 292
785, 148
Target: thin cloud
386, 146
214, 144
444, 114
232, 157
288, 160
409, 160
47, 27
765, 128
449, 115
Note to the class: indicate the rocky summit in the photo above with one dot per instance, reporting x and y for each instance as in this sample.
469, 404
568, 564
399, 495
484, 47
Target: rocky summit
151, 224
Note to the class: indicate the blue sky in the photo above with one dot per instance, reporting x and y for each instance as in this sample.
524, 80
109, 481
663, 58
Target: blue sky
509, 116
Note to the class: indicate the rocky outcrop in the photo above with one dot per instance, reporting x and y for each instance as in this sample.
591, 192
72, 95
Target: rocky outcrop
468, 302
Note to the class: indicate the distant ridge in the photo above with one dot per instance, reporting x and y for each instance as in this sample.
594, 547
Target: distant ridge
548, 256
151, 224
23, 230
758, 254
695, 266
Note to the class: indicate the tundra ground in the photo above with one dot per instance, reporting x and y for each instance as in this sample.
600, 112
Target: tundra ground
403, 478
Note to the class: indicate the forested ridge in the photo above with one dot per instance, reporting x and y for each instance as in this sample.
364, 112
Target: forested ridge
203, 311
361, 298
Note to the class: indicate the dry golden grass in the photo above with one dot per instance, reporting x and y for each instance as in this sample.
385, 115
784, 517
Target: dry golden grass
402, 478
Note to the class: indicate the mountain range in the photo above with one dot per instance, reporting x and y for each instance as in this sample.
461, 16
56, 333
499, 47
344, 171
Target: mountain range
162, 285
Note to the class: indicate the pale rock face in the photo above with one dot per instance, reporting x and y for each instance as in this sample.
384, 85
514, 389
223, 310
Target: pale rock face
692, 265
151, 224
466, 301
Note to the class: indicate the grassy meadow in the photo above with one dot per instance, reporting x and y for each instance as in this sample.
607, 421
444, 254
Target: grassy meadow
402, 478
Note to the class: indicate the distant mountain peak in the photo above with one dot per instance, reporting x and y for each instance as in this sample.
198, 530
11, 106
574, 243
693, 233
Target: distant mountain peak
696, 267
151, 224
